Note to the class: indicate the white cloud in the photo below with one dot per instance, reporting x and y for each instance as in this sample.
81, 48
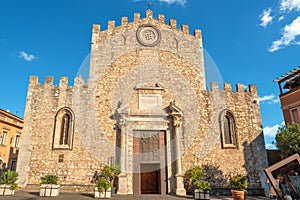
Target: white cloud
271, 131
26, 56
289, 34
270, 99
270, 146
281, 18
266, 18
289, 5
181, 2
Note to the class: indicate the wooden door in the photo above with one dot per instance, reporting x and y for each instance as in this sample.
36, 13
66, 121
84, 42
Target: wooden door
149, 179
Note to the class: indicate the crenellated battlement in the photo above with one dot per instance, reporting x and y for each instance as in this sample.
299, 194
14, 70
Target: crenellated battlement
63, 82
239, 88
149, 20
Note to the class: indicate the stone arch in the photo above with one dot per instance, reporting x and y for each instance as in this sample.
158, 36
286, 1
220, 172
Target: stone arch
63, 129
228, 129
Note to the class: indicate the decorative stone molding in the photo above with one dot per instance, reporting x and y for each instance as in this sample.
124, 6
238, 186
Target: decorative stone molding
175, 114
148, 36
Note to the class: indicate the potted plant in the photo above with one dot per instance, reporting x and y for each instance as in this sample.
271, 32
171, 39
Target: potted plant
8, 183
49, 186
110, 173
202, 190
102, 189
195, 183
238, 186
192, 175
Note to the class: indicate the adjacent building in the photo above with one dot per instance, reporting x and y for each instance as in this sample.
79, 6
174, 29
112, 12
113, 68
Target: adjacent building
289, 86
146, 108
10, 134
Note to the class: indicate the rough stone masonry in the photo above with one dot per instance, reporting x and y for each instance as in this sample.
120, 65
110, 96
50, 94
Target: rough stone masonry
145, 107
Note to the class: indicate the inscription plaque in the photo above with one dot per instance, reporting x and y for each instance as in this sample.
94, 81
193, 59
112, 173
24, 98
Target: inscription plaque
147, 102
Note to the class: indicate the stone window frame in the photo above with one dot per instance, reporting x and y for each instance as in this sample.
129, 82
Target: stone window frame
233, 144
57, 133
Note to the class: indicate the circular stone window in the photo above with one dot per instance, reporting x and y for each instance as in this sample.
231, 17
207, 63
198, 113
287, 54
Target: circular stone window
148, 36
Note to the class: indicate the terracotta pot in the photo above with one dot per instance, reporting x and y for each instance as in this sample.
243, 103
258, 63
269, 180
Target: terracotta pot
238, 195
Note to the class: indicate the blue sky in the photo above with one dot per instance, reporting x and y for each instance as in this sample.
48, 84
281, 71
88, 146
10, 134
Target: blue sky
250, 41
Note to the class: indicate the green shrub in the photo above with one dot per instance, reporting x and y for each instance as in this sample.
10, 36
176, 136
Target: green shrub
13, 186
238, 183
194, 174
10, 178
103, 185
288, 140
202, 185
110, 173
191, 176
49, 179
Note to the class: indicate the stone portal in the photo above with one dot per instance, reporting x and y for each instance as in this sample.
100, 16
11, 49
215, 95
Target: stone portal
150, 142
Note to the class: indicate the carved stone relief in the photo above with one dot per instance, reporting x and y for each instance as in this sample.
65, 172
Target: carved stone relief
148, 36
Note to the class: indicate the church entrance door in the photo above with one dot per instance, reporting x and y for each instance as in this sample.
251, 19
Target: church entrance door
149, 178
149, 162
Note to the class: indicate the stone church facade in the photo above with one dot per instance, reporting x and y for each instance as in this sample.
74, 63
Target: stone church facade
145, 107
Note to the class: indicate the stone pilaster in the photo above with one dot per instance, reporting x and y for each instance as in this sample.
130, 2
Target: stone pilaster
179, 176
122, 189
176, 117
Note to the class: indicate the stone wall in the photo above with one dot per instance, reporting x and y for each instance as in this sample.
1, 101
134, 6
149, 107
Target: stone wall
36, 155
119, 64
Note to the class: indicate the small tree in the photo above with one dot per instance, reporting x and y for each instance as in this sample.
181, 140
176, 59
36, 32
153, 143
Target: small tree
110, 173
288, 140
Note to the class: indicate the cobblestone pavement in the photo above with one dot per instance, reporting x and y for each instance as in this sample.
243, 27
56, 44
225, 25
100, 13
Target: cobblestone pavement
24, 195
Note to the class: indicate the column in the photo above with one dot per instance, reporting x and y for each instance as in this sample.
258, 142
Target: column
122, 188
178, 175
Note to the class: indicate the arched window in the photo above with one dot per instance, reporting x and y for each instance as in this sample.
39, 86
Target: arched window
63, 129
228, 130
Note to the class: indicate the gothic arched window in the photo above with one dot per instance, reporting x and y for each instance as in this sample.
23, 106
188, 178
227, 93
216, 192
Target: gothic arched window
228, 130
63, 129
